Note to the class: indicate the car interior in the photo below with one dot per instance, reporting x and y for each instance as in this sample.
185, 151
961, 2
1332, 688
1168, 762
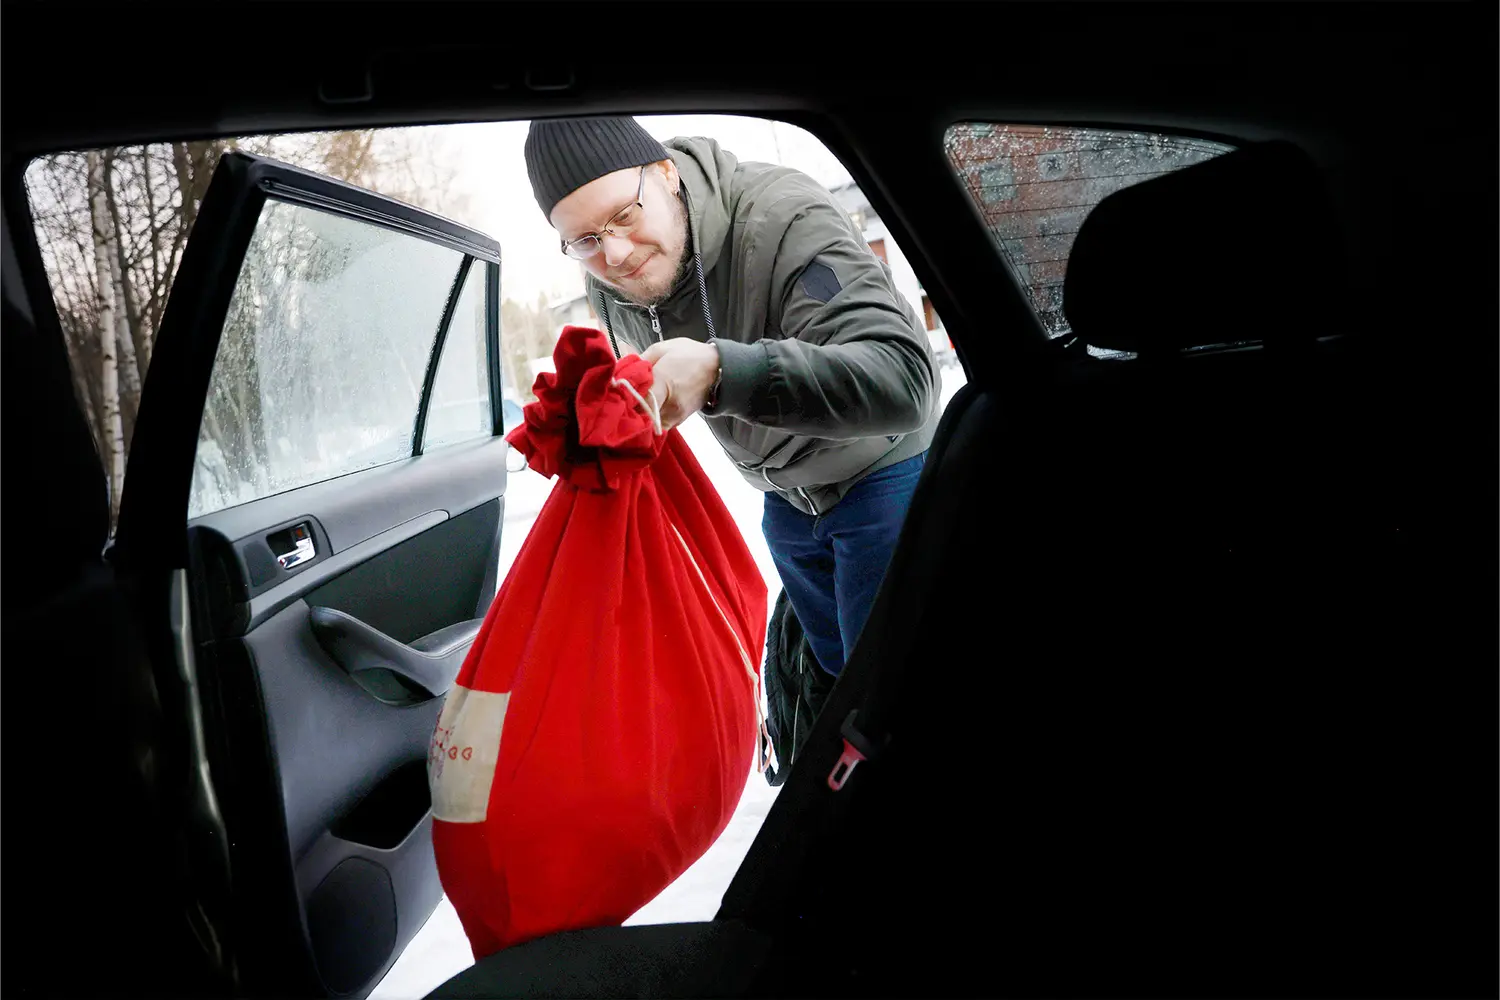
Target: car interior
1181, 682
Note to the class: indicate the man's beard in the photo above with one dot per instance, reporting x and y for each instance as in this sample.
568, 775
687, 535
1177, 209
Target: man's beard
659, 295
683, 267
684, 264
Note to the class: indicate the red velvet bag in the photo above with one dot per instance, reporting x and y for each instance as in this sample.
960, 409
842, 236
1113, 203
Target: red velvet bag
602, 729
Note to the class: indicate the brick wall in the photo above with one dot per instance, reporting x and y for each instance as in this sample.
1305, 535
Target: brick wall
1034, 186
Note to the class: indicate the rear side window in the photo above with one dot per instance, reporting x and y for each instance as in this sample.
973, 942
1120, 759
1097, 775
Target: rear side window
1034, 185
321, 362
112, 225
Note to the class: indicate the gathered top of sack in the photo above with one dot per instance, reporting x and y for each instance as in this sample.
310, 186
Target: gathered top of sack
593, 421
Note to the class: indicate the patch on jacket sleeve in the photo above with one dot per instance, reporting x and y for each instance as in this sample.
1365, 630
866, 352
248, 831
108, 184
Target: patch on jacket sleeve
819, 281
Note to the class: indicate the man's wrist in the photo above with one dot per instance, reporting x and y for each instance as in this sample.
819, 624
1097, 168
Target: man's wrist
742, 369
713, 390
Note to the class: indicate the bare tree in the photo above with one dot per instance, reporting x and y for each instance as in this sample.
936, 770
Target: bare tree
109, 383
130, 374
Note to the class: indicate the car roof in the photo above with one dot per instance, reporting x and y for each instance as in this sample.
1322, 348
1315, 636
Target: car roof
1364, 89
1299, 71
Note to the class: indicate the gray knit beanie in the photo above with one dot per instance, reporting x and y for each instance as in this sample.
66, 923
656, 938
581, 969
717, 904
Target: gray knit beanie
564, 154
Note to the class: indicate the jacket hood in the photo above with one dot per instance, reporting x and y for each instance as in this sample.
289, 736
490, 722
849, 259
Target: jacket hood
705, 168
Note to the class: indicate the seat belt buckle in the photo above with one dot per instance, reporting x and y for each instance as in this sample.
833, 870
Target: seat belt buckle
856, 748
848, 760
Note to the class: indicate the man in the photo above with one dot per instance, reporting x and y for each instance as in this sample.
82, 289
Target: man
759, 304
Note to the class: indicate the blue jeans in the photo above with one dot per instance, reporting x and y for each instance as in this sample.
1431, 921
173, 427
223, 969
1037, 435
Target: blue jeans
831, 565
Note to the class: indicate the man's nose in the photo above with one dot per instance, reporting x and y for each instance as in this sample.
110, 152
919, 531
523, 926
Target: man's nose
616, 249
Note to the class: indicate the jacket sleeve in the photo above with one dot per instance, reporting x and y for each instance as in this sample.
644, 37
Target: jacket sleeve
852, 361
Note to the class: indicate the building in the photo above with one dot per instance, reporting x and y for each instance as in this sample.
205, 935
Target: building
574, 310
908, 284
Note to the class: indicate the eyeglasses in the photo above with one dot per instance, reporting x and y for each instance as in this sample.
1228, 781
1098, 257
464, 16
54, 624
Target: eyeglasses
619, 224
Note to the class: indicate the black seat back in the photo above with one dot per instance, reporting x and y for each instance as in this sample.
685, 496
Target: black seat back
1187, 599
92, 853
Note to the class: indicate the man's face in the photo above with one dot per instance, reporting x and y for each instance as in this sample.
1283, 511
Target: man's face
644, 254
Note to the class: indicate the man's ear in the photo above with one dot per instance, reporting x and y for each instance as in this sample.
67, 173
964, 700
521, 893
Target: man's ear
669, 172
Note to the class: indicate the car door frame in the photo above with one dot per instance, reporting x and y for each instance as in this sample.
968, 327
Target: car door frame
178, 381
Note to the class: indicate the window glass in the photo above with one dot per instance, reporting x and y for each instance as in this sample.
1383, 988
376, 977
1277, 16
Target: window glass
1034, 185
112, 225
460, 407
320, 366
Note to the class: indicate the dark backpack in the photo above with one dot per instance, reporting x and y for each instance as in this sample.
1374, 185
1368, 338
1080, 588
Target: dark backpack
796, 688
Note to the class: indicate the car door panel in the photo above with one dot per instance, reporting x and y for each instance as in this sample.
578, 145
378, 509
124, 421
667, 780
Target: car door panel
349, 750
358, 828
315, 738
360, 505
351, 519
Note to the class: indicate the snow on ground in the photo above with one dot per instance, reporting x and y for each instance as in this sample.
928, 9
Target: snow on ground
440, 950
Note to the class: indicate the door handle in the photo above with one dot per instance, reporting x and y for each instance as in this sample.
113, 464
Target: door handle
292, 546
301, 553
430, 663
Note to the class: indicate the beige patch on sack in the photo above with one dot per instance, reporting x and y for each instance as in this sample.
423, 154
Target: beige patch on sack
462, 754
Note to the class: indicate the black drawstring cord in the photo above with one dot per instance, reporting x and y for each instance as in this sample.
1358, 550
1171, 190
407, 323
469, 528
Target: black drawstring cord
604, 315
703, 295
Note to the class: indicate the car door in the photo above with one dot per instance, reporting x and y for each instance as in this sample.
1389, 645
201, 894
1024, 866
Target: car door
316, 481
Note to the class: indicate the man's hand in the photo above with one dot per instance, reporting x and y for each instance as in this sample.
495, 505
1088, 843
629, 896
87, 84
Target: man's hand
684, 370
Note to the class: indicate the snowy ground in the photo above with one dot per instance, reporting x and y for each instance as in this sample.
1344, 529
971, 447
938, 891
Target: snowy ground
440, 949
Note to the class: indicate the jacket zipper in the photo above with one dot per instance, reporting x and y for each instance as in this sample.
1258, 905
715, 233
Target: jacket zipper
655, 320
808, 500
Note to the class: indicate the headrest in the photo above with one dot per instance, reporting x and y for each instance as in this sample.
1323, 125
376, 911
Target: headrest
1242, 247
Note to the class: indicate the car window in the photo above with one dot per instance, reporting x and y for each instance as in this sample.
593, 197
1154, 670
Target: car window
460, 406
112, 224
1034, 185
324, 351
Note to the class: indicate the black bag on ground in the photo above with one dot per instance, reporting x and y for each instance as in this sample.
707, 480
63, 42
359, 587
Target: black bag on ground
796, 687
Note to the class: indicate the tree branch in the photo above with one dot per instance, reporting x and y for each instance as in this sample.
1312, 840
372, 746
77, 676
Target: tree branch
152, 309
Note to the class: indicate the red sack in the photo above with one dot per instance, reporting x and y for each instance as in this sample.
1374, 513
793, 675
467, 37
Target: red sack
602, 729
